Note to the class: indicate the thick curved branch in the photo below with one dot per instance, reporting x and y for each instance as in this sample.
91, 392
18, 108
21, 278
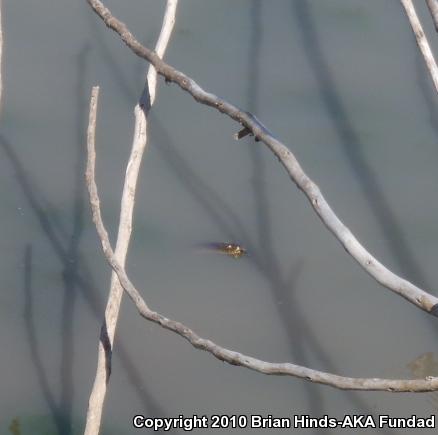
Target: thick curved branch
377, 270
422, 42
98, 393
221, 353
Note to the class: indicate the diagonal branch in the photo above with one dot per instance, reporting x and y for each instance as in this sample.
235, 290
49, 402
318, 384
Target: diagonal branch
420, 36
103, 371
377, 270
221, 353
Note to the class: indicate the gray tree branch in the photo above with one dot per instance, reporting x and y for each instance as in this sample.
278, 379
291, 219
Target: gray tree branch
421, 39
106, 342
433, 8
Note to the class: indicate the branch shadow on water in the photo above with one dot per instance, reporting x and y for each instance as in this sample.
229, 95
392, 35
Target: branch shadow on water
76, 276
61, 420
303, 341
352, 146
88, 291
300, 336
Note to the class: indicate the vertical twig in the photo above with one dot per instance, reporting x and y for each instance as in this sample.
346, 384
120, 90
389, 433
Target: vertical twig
433, 8
422, 42
103, 371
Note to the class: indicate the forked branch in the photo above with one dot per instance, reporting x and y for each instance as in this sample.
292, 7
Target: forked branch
139, 142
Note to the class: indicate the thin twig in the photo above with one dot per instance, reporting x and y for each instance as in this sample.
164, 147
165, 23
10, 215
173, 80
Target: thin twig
103, 371
223, 354
433, 8
377, 270
422, 42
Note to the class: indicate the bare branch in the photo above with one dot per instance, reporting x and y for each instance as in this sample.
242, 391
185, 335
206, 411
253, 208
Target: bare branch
160, 48
223, 354
422, 42
433, 8
98, 393
139, 142
377, 270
